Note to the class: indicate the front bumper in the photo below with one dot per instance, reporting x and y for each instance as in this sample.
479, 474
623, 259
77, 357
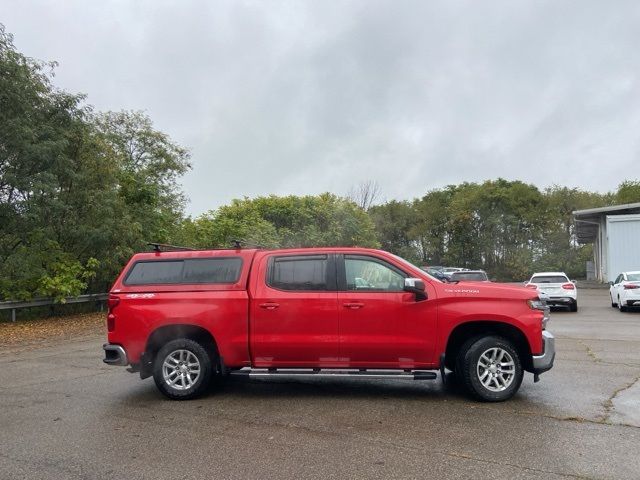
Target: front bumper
544, 362
114, 355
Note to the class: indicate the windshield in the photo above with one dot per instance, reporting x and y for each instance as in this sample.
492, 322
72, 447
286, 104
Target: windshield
633, 277
549, 279
412, 266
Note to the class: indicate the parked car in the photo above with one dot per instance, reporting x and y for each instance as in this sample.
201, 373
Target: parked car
625, 290
436, 272
469, 276
559, 290
447, 271
187, 317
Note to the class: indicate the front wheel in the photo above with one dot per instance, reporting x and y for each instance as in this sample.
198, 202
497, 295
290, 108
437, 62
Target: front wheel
490, 368
182, 369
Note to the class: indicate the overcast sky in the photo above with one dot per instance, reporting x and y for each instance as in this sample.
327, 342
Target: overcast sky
306, 97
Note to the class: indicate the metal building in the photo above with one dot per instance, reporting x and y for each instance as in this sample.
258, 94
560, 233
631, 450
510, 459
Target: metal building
615, 234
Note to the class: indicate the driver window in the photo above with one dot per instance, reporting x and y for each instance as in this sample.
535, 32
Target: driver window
369, 275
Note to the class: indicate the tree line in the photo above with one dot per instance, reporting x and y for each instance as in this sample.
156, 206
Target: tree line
82, 190
508, 228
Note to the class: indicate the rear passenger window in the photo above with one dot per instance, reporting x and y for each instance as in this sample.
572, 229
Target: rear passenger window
195, 270
298, 273
212, 270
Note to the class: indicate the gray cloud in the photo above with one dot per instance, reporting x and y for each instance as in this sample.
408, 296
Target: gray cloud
305, 97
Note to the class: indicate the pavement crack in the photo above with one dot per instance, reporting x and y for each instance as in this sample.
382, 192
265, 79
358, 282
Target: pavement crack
574, 419
515, 465
608, 403
466, 456
590, 352
562, 337
605, 362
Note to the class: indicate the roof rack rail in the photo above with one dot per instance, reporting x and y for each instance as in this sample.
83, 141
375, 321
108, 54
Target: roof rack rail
165, 247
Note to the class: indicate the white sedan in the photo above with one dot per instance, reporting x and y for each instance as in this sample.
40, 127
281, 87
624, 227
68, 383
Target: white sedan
625, 290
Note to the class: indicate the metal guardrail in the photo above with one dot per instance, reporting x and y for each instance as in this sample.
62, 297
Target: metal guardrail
43, 302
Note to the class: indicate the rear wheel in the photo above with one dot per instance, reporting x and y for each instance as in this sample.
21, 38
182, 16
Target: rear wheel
621, 307
182, 369
573, 307
489, 368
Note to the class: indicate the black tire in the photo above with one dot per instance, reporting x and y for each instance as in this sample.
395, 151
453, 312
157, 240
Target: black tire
613, 304
177, 350
573, 307
468, 370
621, 307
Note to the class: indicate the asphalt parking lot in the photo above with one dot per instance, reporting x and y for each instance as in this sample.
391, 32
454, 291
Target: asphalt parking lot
64, 414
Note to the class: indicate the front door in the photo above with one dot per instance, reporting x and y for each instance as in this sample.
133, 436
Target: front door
381, 325
294, 312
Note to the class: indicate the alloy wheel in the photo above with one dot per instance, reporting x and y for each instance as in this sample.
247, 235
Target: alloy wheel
181, 369
496, 369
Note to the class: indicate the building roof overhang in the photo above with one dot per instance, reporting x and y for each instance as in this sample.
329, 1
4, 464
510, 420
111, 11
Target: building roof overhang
588, 221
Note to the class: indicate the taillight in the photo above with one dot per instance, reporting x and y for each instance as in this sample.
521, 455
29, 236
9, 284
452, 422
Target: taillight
531, 285
569, 286
631, 286
112, 301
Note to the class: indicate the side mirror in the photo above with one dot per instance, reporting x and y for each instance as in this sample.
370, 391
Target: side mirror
574, 282
611, 284
415, 286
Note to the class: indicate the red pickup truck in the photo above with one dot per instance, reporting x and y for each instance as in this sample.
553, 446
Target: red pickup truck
187, 317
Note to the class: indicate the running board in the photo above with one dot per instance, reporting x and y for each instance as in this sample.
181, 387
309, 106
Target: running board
336, 373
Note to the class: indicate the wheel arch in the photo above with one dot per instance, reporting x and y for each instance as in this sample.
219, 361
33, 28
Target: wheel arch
482, 328
166, 333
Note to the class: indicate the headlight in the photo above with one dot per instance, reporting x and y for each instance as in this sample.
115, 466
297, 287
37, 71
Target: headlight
537, 304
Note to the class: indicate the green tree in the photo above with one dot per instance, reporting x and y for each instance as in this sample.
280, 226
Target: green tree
40, 128
79, 192
559, 249
149, 166
628, 192
394, 222
292, 221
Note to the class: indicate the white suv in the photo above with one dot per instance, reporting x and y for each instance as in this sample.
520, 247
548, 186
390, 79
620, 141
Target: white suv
557, 289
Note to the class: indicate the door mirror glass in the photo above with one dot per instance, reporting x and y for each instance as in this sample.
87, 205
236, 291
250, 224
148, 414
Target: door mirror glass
415, 286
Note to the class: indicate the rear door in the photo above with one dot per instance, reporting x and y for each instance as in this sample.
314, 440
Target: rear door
381, 325
294, 311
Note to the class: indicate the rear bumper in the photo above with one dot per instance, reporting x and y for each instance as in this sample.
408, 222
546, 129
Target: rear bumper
114, 355
544, 362
555, 301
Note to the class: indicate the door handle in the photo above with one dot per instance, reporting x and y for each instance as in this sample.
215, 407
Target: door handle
269, 305
353, 305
